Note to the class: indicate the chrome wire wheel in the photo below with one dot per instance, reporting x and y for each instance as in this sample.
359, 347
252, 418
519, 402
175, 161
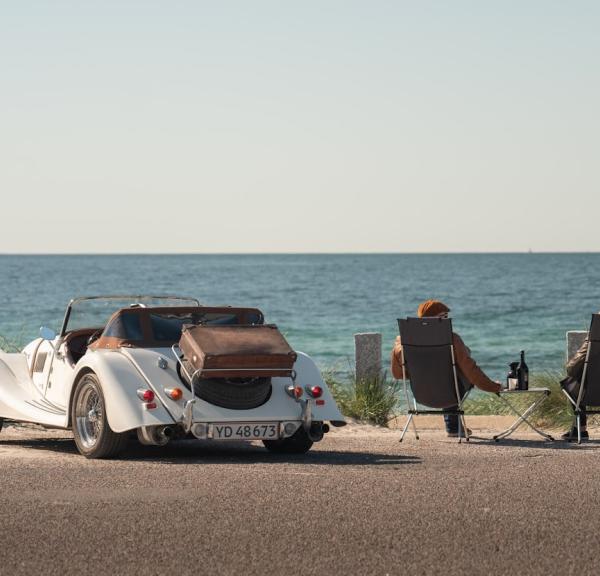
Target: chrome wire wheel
89, 414
91, 431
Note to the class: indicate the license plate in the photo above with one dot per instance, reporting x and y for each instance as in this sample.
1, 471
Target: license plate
245, 431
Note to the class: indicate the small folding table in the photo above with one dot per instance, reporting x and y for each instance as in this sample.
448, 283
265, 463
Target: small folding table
538, 395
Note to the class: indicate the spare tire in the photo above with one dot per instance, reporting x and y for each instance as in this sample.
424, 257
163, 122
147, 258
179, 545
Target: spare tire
232, 393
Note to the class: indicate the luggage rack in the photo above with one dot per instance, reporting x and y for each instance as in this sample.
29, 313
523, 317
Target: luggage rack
276, 372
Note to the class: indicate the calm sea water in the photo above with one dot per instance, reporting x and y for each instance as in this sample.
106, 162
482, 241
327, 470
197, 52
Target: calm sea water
501, 303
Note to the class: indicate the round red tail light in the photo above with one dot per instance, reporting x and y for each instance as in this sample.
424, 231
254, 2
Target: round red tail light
146, 395
316, 391
298, 391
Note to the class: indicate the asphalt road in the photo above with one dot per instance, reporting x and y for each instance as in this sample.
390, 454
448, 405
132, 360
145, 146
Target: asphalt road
360, 503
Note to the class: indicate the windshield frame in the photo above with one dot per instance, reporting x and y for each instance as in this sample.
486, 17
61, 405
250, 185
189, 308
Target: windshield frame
135, 298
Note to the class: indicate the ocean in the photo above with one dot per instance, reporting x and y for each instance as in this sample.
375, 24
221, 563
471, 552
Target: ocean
501, 303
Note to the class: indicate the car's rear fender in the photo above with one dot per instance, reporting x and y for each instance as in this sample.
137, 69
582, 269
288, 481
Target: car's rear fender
120, 381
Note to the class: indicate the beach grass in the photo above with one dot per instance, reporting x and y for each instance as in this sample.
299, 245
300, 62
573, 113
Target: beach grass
370, 400
555, 412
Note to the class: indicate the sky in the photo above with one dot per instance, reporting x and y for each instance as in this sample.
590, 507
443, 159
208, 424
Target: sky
306, 126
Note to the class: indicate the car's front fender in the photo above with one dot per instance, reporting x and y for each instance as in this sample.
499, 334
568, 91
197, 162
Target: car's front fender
120, 380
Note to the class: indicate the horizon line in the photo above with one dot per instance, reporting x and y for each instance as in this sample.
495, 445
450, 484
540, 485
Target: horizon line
291, 253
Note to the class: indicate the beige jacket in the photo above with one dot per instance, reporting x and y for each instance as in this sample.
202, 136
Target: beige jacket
467, 366
575, 365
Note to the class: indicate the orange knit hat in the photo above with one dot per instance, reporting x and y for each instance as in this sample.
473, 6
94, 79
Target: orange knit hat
431, 308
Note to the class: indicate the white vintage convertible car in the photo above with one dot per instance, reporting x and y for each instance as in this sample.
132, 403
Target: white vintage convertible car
115, 370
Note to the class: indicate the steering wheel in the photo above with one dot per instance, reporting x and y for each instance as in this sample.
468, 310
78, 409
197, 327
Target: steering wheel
94, 336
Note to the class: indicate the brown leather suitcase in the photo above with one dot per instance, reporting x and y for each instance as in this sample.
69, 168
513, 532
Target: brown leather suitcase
237, 351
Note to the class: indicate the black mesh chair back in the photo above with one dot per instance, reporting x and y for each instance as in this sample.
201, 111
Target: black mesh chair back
426, 344
591, 394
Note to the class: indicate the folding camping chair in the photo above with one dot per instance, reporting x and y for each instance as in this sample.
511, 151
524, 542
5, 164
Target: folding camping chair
589, 389
428, 361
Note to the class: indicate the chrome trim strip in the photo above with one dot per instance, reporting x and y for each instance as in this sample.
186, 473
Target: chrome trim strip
40, 406
53, 405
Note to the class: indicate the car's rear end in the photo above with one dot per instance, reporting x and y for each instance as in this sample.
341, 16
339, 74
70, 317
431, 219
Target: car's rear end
242, 408
225, 378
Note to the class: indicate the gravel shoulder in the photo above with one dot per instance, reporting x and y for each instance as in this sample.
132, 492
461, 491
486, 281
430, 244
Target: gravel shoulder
359, 503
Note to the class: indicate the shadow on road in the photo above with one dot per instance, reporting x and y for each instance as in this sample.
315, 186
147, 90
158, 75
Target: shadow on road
207, 453
59, 445
536, 444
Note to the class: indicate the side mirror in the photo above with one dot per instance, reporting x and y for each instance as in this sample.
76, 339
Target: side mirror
47, 333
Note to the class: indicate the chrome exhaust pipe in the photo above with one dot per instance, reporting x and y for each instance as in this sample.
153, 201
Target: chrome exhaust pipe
315, 432
165, 433
155, 435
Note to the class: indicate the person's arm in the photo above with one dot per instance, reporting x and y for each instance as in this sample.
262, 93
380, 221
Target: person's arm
396, 360
575, 365
469, 369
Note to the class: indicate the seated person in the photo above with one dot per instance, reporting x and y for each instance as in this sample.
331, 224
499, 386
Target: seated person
469, 374
571, 384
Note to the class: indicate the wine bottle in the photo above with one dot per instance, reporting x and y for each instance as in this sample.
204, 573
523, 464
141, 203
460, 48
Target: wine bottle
523, 373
